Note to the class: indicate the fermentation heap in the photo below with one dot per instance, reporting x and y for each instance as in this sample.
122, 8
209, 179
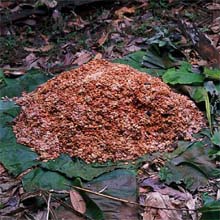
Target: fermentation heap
104, 111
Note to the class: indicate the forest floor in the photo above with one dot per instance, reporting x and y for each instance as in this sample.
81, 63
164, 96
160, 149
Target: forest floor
53, 38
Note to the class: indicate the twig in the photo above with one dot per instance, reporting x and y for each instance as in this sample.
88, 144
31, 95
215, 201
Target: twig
106, 196
66, 205
44, 195
130, 202
48, 206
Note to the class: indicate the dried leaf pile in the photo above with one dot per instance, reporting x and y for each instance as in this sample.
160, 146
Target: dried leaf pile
104, 111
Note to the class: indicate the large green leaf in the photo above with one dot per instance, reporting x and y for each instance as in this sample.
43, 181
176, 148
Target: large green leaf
77, 167
212, 73
45, 180
119, 183
210, 211
193, 167
15, 157
92, 209
135, 60
216, 138
28, 82
183, 75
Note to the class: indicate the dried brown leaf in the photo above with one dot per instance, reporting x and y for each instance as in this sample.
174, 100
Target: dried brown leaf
2, 169
83, 57
98, 56
124, 10
45, 48
77, 201
158, 200
49, 3
12, 72
213, 6
103, 38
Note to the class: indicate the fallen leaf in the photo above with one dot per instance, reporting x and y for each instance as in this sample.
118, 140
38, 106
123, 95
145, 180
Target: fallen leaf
45, 48
30, 59
98, 56
158, 200
66, 214
191, 204
103, 38
49, 3
30, 22
2, 169
83, 57
213, 6
124, 10
218, 195
68, 59
12, 72
79, 23
77, 201
215, 26
5, 4
132, 48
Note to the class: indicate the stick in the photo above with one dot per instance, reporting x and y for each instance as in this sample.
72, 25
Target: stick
130, 202
48, 206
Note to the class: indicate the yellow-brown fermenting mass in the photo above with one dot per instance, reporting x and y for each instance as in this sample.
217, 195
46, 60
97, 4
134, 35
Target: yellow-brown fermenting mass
104, 111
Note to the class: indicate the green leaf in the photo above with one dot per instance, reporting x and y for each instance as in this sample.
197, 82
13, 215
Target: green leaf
210, 211
77, 167
192, 167
212, 73
182, 147
45, 180
92, 209
15, 157
197, 93
200, 94
135, 60
28, 82
119, 183
40, 179
206, 198
183, 75
152, 60
216, 138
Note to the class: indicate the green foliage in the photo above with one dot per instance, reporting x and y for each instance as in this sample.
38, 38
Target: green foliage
161, 38
213, 74
216, 138
14, 87
134, 60
45, 180
119, 183
183, 75
78, 168
210, 211
15, 157
191, 165
159, 4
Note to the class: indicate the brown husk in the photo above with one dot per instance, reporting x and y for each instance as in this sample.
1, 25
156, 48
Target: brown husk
104, 111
